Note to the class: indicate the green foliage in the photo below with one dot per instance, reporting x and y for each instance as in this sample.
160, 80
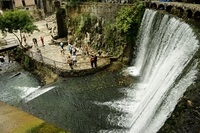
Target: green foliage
108, 31
11, 21
17, 20
72, 2
83, 23
17, 54
26, 62
125, 28
129, 17
46, 128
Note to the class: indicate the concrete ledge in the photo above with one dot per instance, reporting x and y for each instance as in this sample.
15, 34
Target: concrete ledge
14, 120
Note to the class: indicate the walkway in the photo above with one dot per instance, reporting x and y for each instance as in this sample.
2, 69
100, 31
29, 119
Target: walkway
51, 53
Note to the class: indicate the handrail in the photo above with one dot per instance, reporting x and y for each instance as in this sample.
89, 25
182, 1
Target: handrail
57, 64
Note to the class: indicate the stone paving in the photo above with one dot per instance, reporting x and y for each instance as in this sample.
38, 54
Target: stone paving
51, 53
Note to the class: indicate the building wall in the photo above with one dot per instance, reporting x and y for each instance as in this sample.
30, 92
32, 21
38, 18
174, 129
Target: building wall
18, 3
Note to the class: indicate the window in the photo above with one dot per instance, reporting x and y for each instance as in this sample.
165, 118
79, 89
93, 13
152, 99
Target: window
23, 3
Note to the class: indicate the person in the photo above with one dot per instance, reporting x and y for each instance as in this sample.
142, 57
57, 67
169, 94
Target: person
62, 45
92, 60
24, 37
70, 62
42, 40
74, 50
70, 48
47, 25
35, 42
74, 59
95, 60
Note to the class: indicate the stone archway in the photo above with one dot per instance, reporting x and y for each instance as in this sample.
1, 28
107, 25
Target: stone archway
153, 5
169, 8
189, 13
181, 11
161, 7
197, 15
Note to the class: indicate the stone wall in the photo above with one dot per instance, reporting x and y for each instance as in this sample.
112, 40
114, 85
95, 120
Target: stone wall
105, 11
103, 15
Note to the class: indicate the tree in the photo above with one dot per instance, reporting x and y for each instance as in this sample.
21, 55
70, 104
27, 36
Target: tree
16, 21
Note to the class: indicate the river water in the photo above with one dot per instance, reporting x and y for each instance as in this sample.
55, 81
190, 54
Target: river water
163, 70
68, 103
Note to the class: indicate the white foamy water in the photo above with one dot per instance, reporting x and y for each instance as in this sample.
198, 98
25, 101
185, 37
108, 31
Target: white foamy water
25, 91
36, 93
166, 47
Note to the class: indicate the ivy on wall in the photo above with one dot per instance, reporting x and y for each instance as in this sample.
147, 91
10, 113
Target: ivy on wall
129, 18
125, 29
114, 35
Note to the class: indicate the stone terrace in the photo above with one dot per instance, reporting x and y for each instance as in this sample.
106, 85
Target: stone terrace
51, 53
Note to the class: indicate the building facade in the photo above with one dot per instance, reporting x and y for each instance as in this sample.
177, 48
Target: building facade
23, 3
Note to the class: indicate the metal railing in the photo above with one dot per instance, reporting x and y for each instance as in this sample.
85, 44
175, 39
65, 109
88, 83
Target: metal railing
40, 58
57, 64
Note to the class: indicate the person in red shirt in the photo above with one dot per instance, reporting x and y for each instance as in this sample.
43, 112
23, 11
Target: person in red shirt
42, 40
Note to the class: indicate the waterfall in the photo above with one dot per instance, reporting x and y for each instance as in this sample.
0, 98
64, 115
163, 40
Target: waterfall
165, 68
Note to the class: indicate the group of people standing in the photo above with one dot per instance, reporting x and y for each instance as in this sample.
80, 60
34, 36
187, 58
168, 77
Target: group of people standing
35, 42
72, 51
72, 57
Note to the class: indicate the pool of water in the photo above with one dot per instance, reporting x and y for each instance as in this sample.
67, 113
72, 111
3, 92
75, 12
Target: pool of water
70, 103
16, 83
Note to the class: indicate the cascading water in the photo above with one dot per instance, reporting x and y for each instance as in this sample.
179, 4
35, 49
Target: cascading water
17, 85
164, 68
166, 47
